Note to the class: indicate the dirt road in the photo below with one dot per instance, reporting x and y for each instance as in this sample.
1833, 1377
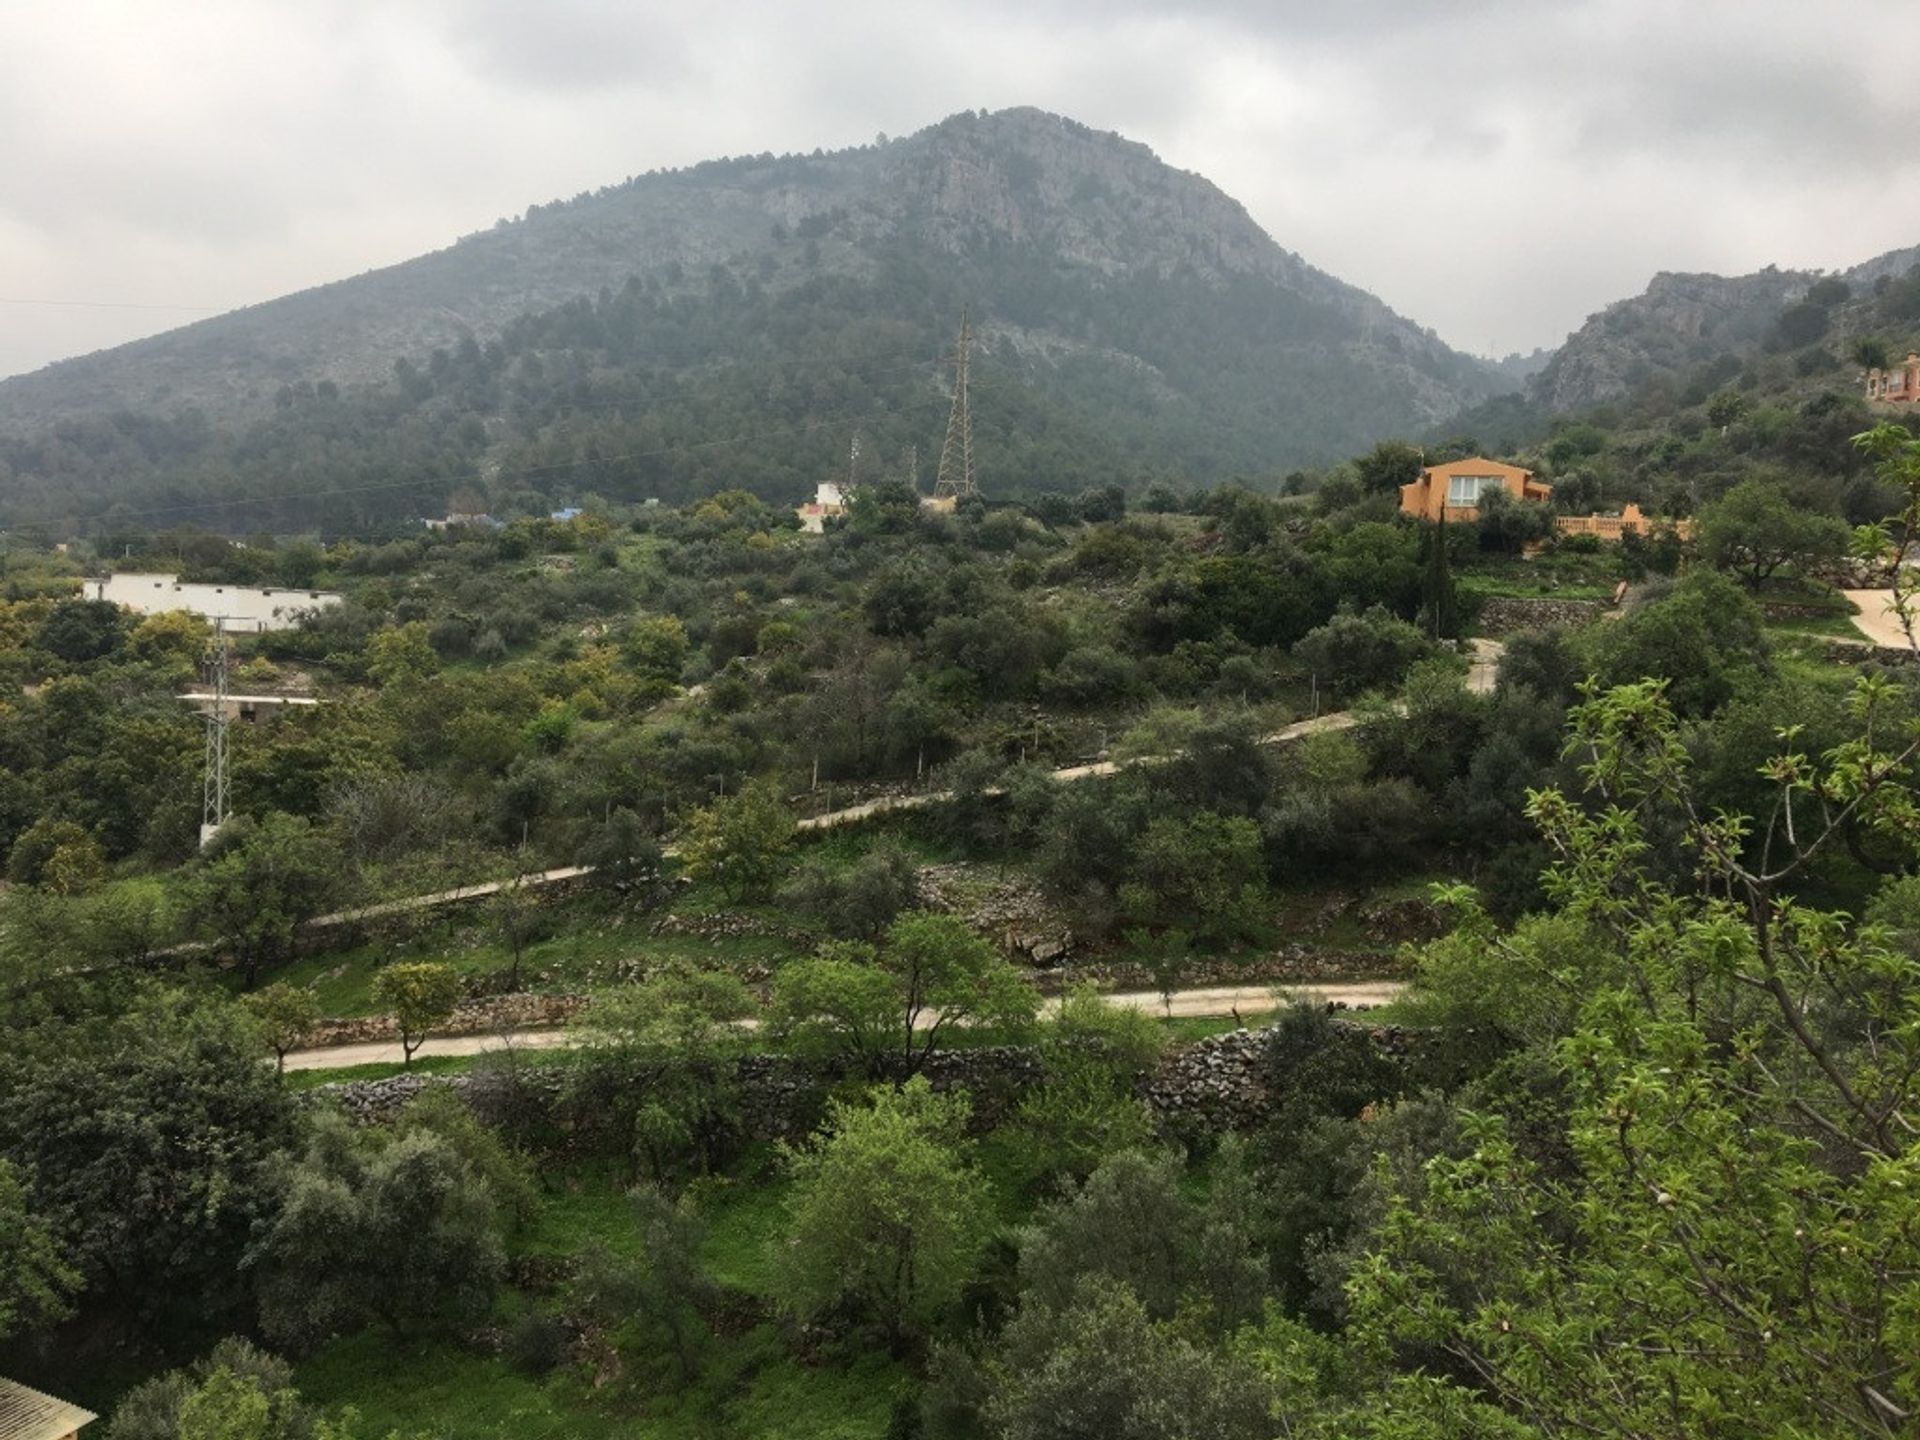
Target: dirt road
1483, 667
1215, 1000
1875, 620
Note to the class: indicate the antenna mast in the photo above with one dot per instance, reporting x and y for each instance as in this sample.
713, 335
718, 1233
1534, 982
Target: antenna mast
955, 480
214, 806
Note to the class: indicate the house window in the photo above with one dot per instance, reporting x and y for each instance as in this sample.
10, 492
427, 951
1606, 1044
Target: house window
1465, 489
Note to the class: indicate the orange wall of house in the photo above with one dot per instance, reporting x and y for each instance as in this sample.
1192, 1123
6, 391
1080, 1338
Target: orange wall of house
1427, 496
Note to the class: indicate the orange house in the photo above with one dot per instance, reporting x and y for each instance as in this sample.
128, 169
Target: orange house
1452, 491
1899, 385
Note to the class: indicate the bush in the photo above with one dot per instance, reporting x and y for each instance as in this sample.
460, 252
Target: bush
1352, 653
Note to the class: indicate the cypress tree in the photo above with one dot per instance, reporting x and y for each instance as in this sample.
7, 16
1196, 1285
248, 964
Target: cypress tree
1438, 601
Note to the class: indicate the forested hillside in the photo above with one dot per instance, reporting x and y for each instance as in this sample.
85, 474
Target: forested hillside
737, 324
1677, 394
1642, 1107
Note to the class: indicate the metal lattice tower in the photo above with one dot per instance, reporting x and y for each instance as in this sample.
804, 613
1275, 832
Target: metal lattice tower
955, 480
215, 806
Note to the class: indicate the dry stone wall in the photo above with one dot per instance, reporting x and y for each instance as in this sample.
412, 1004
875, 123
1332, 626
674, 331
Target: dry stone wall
522, 1010
1509, 614
1221, 1082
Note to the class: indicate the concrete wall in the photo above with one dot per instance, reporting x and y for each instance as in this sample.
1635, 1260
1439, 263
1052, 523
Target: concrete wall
246, 607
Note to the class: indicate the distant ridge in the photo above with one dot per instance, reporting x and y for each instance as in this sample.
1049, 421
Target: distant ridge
1681, 321
1141, 307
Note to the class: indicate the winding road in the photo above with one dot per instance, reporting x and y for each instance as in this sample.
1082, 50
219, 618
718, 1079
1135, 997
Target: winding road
1483, 668
1483, 665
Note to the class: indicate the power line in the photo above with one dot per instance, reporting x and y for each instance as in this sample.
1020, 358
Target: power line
116, 305
486, 474
215, 805
483, 476
955, 477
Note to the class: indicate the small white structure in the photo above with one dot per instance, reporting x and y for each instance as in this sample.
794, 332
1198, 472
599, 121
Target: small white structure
251, 708
465, 520
829, 501
246, 607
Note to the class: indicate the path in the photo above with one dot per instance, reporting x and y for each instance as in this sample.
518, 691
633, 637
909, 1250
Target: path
1483, 667
1213, 1000
1876, 620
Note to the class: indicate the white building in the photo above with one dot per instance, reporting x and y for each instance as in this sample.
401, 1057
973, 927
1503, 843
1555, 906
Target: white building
245, 607
829, 500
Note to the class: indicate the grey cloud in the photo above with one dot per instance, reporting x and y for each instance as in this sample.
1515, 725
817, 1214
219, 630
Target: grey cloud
1773, 111
569, 44
265, 145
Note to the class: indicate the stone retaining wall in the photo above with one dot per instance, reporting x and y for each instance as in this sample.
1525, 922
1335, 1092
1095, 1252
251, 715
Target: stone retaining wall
1508, 614
1859, 652
520, 1011
1216, 1083
1795, 610
1289, 964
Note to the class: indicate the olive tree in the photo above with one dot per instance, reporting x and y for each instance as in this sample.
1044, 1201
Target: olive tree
886, 1008
420, 996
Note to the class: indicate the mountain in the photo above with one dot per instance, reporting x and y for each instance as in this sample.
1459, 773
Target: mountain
1685, 321
1133, 321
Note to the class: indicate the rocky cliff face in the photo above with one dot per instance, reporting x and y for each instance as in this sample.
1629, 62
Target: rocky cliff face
1680, 320
1683, 321
1009, 204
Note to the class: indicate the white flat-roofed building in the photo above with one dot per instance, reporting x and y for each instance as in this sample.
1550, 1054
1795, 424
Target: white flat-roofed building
246, 607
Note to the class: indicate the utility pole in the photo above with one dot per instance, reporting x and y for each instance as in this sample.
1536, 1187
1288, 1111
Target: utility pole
853, 464
956, 480
215, 806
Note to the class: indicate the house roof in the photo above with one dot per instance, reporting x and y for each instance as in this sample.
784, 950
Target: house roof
1477, 465
27, 1414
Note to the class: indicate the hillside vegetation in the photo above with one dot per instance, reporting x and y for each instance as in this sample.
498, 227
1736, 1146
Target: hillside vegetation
1381, 1235
737, 324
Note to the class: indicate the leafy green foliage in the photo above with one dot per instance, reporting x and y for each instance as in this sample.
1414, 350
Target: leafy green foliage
887, 1008
258, 883
35, 1279
1352, 653
420, 996
146, 1142
1735, 1206
395, 1228
655, 1077
886, 1220
739, 842
286, 1014
1756, 528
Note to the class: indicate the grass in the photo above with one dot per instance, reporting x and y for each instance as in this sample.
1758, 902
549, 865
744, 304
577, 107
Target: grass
751, 1386
579, 1207
743, 1216
1831, 625
588, 949
441, 1390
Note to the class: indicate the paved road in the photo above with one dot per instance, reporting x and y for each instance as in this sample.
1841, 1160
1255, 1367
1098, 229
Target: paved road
1875, 620
1213, 1000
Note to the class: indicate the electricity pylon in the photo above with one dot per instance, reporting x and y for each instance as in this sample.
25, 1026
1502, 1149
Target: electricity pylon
215, 808
955, 480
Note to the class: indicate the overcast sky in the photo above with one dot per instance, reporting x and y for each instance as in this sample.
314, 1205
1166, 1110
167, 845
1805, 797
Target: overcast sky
1496, 169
